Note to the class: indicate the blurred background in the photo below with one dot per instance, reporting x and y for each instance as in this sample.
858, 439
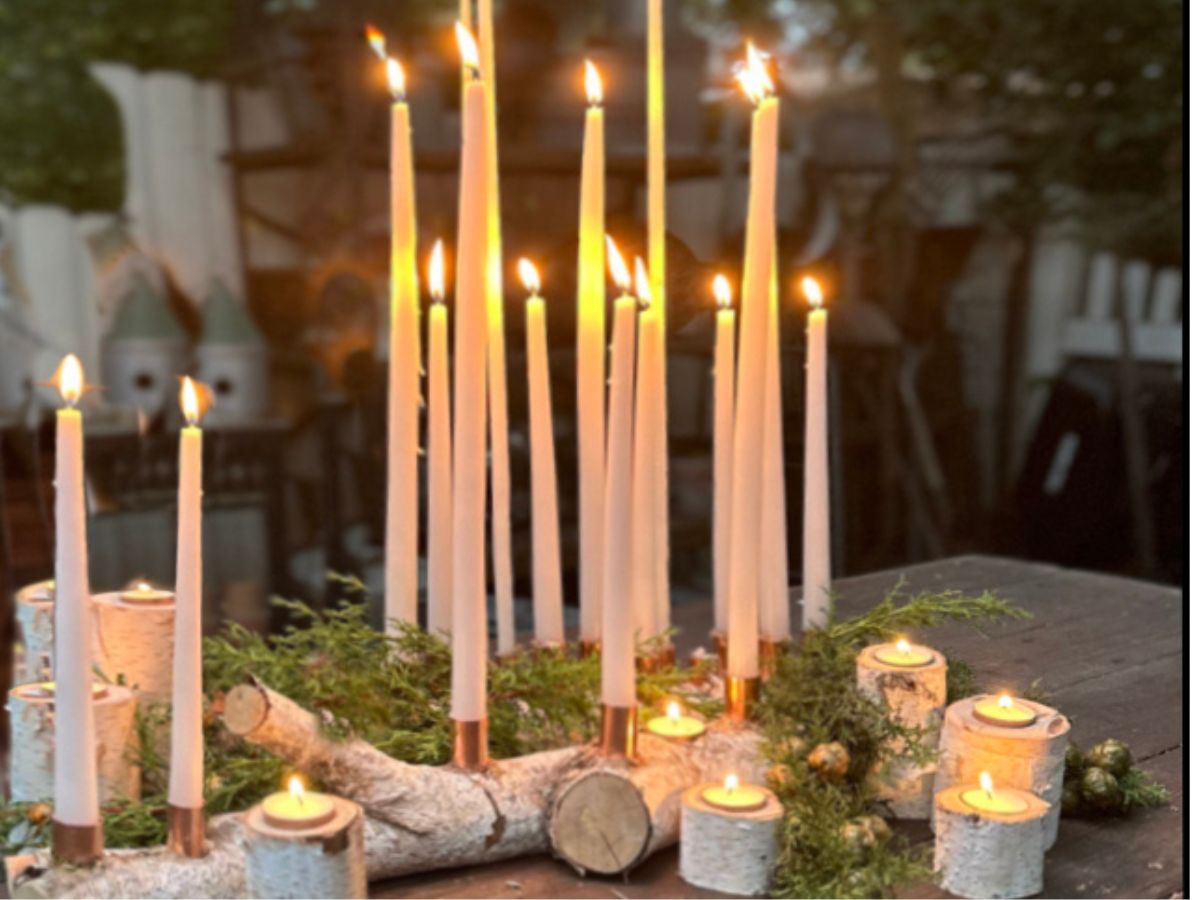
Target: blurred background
991, 193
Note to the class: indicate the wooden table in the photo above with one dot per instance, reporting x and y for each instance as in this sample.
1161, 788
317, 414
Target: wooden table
1109, 651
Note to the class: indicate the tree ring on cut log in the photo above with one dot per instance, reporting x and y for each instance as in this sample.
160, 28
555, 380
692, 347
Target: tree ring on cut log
601, 824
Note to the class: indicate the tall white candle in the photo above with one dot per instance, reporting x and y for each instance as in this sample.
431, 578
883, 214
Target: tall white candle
817, 580
76, 800
439, 574
774, 603
186, 787
617, 665
647, 404
745, 553
501, 517
547, 560
590, 360
404, 371
468, 683
723, 382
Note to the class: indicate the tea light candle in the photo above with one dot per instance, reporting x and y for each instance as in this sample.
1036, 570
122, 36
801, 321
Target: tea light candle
910, 680
305, 844
989, 841
675, 726
1030, 758
1003, 711
729, 837
145, 592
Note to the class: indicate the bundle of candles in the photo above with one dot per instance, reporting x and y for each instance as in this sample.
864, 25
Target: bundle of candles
622, 456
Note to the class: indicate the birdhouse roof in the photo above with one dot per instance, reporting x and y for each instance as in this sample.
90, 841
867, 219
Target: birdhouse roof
226, 320
143, 313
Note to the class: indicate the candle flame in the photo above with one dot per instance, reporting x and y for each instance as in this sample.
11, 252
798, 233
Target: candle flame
529, 276
437, 272
593, 83
673, 711
616, 265
1005, 701
642, 282
985, 782
731, 782
812, 291
722, 291
296, 789
190, 400
396, 80
902, 646
752, 76
467, 48
143, 586
377, 41
69, 379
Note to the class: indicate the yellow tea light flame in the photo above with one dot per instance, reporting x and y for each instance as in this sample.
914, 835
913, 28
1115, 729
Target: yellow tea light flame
673, 711
467, 48
437, 272
616, 265
593, 84
731, 783
296, 789
529, 276
722, 291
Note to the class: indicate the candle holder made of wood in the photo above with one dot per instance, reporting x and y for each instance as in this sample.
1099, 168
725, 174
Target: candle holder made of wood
325, 860
726, 850
988, 854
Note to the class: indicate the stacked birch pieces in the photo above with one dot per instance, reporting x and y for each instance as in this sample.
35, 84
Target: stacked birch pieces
418, 818
728, 851
915, 695
136, 642
35, 619
989, 854
1030, 758
31, 720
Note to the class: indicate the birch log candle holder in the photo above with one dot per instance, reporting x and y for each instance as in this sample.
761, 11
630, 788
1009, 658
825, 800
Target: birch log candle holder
729, 838
136, 633
302, 844
31, 720
35, 618
989, 842
910, 680
1028, 754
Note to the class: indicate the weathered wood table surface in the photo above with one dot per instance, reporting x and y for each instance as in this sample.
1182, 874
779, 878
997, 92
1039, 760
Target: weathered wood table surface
1108, 650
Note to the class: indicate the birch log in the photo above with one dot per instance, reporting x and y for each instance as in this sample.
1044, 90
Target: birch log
1029, 759
731, 852
35, 618
31, 719
988, 854
136, 645
916, 698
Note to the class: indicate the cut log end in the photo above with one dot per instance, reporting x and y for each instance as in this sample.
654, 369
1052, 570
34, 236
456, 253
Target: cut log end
246, 708
601, 824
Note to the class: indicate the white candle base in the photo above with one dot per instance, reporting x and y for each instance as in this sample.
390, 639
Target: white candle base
916, 697
727, 851
137, 645
326, 861
1031, 759
31, 720
985, 855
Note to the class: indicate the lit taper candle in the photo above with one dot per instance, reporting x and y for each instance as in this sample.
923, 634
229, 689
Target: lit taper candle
745, 555
185, 791
590, 360
468, 683
76, 833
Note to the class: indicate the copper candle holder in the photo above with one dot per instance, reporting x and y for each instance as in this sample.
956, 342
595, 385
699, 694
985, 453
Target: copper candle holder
618, 730
720, 643
76, 845
769, 652
185, 830
740, 695
470, 744
588, 648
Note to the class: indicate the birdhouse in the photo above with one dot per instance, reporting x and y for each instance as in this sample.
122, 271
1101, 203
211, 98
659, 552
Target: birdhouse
145, 350
231, 358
